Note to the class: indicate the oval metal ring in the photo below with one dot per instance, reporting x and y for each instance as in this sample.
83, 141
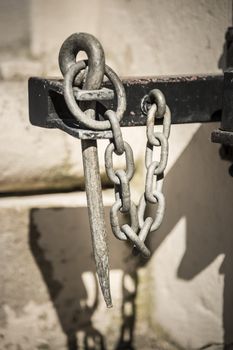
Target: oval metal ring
93, 124
116, 131
115, 221
156, 96
159, 197
150, 123
143, 234
109, 162
138, 243
163, 153
122, 191
153, 182
75, 43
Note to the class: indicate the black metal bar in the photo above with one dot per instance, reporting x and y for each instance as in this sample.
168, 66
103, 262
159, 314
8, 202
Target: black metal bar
224, 134
191, 99
227, 115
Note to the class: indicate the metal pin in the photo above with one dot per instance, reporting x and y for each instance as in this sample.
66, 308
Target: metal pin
96, 215
96, 66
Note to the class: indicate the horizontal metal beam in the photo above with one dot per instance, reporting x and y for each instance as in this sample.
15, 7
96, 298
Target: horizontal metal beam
192, 99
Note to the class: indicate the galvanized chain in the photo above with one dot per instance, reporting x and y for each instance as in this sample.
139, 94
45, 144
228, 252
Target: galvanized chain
121, 179
155, 169
155, 172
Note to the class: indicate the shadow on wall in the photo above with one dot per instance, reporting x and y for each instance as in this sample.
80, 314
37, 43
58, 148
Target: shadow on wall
60, 244
194, 189
199, 188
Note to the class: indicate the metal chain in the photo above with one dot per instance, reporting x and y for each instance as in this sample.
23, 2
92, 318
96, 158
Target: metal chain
155, 169
139, 228
121, 179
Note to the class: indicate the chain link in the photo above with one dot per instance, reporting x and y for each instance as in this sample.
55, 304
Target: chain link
122, 191
69, 79
109, 162
116, 228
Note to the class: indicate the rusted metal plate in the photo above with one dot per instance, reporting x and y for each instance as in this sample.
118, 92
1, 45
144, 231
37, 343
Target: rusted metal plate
192, 99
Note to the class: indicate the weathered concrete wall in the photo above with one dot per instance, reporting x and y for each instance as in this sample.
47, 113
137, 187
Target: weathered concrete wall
48, 297
14, 24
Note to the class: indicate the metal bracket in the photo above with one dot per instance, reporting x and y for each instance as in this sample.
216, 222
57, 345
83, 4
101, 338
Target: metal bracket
192, 99
224, 135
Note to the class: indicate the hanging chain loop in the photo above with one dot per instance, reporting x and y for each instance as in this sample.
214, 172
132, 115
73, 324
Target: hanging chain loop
137, 231
155, 169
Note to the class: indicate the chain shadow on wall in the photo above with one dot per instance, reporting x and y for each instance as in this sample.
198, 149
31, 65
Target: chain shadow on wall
60, 244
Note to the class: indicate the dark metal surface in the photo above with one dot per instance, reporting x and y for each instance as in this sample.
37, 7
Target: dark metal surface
227, 115
191, 99
229, 47
226, 153
224, 135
